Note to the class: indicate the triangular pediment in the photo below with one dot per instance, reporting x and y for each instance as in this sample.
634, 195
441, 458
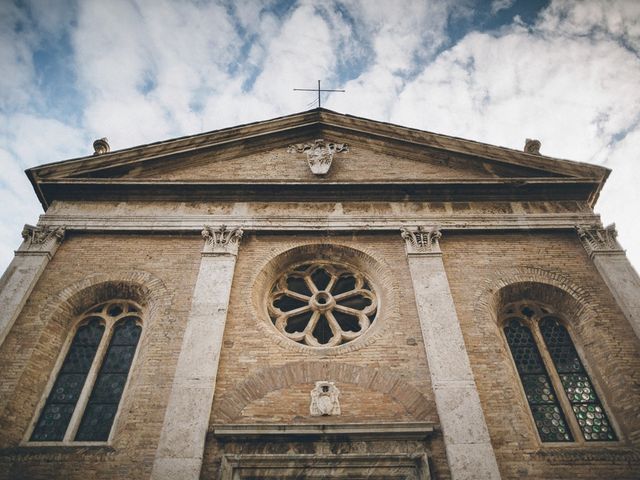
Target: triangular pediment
272, 152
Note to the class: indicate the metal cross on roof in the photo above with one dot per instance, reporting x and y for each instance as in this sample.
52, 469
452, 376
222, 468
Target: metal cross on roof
319, 90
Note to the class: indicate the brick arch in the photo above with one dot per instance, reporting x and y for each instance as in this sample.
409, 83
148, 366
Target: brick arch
142, 287
557, 288
269, 379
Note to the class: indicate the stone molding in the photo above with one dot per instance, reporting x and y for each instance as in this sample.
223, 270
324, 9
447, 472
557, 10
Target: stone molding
42, 240
319, 154
422, 240
221, 240
600, 240
445, 220
361, 431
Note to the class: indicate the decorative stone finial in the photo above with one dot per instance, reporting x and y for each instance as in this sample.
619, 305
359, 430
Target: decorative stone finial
324, 399
319, 154
532, 146
221, 240
101, 146
421, 240
599, 240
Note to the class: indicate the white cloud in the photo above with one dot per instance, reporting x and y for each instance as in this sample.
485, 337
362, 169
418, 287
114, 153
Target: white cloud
151, 70
498, 5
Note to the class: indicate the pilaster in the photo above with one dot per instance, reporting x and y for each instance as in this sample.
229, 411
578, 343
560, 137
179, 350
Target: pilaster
39, 244
615, 269
468, 446
181, 448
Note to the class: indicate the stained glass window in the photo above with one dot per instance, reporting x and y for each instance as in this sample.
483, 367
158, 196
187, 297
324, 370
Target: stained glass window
546, 411
547, 362
87, 351
61, 402
105, 397
584, 401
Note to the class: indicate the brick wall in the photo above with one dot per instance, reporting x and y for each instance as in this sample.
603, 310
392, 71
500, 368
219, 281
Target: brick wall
167, 267
478, 265
263, 380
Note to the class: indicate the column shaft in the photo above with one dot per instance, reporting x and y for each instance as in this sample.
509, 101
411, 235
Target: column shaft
181, 448
468, 446
38, 247
615, 269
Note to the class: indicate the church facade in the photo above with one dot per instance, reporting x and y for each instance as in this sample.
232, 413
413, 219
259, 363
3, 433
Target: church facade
319, 296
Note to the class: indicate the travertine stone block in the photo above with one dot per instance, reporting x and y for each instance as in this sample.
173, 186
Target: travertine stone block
467, 442
617, 272
182, 440
38, 247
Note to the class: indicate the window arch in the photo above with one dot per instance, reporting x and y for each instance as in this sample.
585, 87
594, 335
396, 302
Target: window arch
83, 401
560, 393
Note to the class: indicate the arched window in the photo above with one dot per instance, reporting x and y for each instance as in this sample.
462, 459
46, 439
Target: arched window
84, 398
561, 396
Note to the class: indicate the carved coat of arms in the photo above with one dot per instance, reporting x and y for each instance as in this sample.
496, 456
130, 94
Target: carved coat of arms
324, 399
319, 154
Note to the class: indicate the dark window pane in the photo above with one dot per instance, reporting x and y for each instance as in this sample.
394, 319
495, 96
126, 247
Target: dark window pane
109, 387
96, 422
550, 422
286, 304
541, 396
348, 323
560, 346
129, 334
56, 414
298, 285
577, 385
322, 331
52, 423
345, 283
321, 278
298, 323
118, 359
103, 403
357, 302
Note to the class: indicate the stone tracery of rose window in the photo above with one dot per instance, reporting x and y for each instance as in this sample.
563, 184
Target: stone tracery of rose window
322, 304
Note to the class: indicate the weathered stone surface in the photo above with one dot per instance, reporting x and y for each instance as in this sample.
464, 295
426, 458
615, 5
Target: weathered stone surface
187, 415
17, 282
624, 283
457, 400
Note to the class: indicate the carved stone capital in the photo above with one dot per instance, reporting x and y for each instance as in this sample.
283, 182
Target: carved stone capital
319, 154
422, 240
221, 241
40, 240
599, 240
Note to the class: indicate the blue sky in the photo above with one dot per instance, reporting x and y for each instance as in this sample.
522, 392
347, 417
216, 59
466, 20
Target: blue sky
501, 71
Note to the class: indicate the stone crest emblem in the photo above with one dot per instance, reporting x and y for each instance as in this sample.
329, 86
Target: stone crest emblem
324, 399
319, 154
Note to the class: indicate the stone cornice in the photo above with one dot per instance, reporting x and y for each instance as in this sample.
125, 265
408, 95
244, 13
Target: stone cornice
446, 221
409, 430
40, 240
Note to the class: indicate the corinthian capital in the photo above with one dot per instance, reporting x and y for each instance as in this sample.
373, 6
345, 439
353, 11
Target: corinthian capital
599, 240
221, 240
37, 240
422, 240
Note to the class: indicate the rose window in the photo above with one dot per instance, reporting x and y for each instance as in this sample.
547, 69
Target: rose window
322, 305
